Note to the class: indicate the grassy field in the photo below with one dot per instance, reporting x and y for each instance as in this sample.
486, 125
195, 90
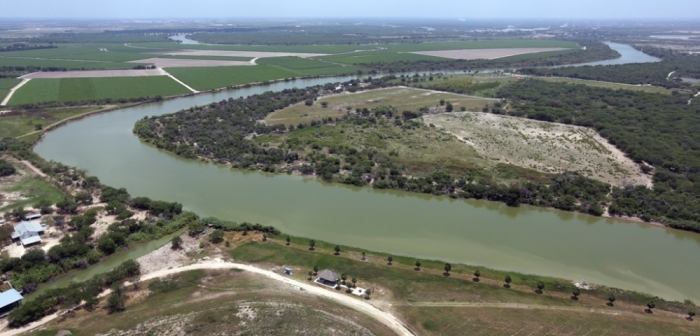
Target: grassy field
206, 78
400, 98
6, 84
306, 67
315, 49
87, 89
68, 64
377, 56
20, 123
90, 52
26, 188
227, 302
213, 58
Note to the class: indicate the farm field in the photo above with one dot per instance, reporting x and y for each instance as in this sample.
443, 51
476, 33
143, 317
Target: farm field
543, 146
67, 64
307, 67
85, 52
229, 53
95, 73
471, 54
402, 98
492, 44
376, 56
184, 63
316, 49
88, 89
6, 84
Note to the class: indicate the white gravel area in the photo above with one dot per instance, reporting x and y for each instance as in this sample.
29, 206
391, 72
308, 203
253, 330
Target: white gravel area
470, 54
183, 63
96, 73
227, 53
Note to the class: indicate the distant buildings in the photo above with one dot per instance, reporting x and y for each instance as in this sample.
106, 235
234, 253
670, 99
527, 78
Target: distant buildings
28, 233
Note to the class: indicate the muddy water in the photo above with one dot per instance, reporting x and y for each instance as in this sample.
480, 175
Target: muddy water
526, 239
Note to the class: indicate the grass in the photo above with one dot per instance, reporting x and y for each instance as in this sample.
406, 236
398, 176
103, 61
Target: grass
492, 44
207, 78
68, 64
20, 123
306, 67
315, 49
400, 98
213, 58
85, 52
31, 187
221, 302
88, 89
6, 84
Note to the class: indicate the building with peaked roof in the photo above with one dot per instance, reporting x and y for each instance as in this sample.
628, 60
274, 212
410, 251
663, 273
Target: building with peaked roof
9, 299
28, 233
328, 278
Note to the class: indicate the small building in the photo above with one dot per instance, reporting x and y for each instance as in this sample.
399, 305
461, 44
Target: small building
28, 233
9, 299
31, 217
327, 278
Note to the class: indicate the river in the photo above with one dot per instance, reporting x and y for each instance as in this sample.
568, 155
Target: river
531, 240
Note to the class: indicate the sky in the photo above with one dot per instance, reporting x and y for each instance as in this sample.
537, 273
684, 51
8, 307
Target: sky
485, 9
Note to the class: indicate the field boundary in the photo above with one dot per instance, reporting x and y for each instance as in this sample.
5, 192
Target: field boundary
12, 91
179, 81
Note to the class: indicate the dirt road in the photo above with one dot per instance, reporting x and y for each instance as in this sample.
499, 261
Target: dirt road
360, 305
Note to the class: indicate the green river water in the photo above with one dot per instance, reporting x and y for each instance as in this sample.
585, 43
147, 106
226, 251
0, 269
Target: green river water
531, 240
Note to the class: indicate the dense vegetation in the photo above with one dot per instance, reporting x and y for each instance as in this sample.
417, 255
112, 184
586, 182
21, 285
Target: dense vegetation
659, 130
73, 295
666, 73
24, 46
594, 51
6, 168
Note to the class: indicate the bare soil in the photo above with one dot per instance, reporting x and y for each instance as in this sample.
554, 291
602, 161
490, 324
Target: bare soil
95, 74
470, 54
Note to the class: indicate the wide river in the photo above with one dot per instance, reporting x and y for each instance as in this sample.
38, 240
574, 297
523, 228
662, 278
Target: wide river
627, 255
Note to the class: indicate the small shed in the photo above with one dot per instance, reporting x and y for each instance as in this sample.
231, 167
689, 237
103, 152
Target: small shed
9, 300
327, 277
31, 217
28, 233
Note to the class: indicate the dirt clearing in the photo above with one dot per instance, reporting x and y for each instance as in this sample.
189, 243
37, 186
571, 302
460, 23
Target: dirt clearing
95, 74
188, 63
470, 54
225, 53
543, 146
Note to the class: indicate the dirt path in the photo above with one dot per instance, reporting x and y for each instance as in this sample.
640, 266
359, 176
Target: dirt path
34, 169
179, 81
365, 307
12, 91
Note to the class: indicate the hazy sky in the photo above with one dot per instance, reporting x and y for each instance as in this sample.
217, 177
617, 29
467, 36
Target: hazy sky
564, 9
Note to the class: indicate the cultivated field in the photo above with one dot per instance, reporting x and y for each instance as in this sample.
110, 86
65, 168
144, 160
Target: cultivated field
230, 53
183, 63
544, 146
87, 89
218, 77
492, 44
95, 74
374, 56
401, 98
5, 85
470, 54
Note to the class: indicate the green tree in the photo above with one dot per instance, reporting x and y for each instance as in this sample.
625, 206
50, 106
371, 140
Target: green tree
6, 168
651, 305
354, 281
442, 102
310, 274
216, 237
176, 242
264, 238
289, 240
324, 104
575, 293
448, 107
115, 303
508, 281
448, 268
477, 275
368, 292
312, 245
309, 102
691, 314
344, 276
18, 213
337, 250
540, 287
417, 265
611, 299
390, 260
363, 256
315, 270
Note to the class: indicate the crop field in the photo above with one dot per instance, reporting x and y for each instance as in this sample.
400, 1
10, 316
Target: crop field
471, 54
91, 52
213, 58
543, 146
401, 98
315, 49
218, 77
230, 302
493, 44
307, 67
68, 64
95, 73
6, 84
87, 89
230, 53
185, 63
376, 56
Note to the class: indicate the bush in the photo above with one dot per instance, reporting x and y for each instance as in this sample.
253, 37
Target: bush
216, 236
6, 168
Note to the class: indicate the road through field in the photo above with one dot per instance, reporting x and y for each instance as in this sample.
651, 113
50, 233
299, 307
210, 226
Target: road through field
12, 91
365, 307
179, 81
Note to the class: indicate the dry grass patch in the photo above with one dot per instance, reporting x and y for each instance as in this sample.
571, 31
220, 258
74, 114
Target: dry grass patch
470, 54
544, 146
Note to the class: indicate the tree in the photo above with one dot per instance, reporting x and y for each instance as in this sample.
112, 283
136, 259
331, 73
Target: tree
354, 281
344, 276
363, 256
390, 259
115, 303
310, 274
448, 107
312, 244
540, 287
264, 238
651, 305
337, 250
691, 314
448, 268
611, 299
309, 102
417, 265
289, 240
508, 281
216, 236
367, 293
576, 292
6, 168
324, 104
315, 270
18, 213
442, 102
337, 283
176, 242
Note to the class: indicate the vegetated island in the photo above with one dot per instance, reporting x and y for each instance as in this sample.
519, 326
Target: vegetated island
392, 149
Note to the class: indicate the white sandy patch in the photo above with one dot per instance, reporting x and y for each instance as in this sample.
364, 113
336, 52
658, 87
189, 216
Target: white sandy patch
96, 74
470, 54
227, 53
543, 146
182, 63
